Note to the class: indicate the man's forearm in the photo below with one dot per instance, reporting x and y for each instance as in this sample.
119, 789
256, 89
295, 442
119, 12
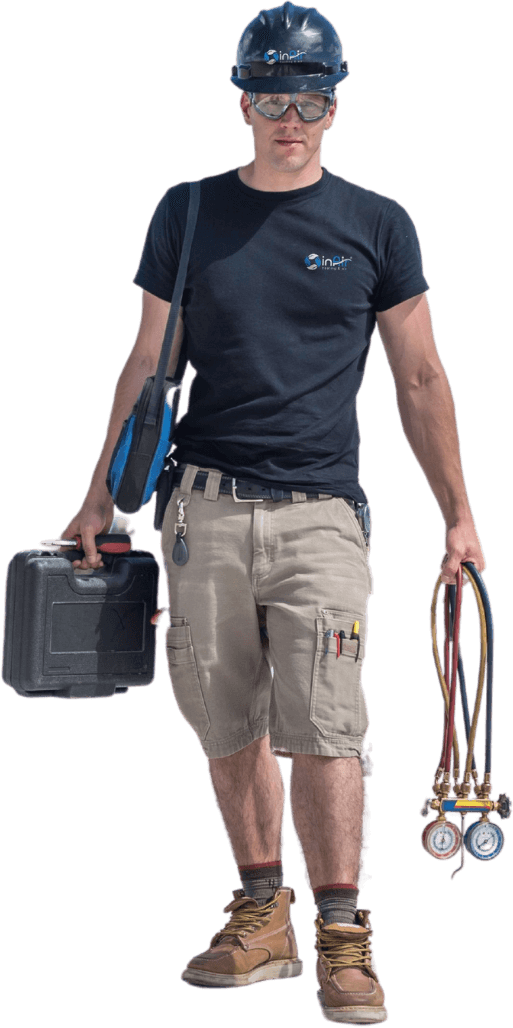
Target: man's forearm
429, 421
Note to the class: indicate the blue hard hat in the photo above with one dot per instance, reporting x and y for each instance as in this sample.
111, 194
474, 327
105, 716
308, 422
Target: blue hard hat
289, 49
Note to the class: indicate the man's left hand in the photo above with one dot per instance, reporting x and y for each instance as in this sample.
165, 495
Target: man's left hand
462, 544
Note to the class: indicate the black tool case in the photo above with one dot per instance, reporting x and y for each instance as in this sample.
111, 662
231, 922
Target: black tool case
70, 634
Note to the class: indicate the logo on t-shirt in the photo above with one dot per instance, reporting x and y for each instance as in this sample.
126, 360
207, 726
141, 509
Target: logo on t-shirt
313, 261
272, 56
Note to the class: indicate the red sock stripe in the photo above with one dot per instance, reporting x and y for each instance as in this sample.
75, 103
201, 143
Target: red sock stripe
251, 867
337, 885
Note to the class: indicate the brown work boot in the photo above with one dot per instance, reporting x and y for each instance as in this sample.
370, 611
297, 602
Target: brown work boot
349, 990
256, 943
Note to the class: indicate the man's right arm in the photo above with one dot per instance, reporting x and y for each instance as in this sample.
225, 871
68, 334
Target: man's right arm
96, 513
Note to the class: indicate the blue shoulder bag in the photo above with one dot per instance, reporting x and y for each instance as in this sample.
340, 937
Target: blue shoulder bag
147, 434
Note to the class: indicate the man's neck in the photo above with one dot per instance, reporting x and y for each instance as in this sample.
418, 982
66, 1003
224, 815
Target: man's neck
251, 177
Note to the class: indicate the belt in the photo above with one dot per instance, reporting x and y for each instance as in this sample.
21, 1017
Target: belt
244, 491
241, 489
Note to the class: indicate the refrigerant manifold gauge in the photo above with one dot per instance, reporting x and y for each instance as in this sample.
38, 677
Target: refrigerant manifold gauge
442, 839
484, 840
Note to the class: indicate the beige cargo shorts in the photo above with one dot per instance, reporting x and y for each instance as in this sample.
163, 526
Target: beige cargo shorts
247, 647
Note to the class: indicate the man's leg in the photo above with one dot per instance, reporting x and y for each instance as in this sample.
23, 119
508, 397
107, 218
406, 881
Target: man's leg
327, 807
250, 793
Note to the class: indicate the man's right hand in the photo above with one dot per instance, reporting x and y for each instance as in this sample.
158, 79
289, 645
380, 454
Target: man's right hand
94, 518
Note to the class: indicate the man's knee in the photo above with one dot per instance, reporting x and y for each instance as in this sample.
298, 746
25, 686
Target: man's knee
249, 752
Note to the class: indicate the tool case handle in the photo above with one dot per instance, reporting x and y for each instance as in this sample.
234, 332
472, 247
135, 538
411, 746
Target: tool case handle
106, 544
112, 543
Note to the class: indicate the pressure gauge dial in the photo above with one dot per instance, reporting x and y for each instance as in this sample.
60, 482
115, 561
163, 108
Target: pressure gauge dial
484, 840
442, 839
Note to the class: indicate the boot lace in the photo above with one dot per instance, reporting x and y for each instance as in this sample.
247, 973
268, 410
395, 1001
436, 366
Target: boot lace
351, 951
245, 919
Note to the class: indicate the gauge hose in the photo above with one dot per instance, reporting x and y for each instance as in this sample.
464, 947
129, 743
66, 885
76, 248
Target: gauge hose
452, 617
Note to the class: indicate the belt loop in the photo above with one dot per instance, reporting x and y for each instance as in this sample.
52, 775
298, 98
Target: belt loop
187, 480
212, 485
298, 497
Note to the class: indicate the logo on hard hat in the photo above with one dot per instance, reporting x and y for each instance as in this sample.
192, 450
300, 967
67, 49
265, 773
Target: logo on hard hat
272, 56
313, 261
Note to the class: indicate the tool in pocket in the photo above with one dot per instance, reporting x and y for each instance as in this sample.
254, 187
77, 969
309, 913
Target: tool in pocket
350, 646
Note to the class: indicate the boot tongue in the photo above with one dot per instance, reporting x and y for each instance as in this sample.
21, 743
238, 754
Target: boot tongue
339, 926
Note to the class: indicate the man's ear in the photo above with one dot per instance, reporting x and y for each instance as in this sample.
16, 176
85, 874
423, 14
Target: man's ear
244, 103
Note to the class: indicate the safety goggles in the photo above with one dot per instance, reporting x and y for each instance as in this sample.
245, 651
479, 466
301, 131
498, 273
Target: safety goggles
310, 106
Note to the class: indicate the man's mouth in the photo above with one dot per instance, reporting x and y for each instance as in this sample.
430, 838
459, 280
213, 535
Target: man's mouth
288, 142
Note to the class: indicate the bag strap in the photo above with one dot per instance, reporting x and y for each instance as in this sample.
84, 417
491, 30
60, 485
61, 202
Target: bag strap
160, 374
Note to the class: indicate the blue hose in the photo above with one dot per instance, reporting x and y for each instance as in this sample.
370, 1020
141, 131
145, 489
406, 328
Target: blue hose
472, 570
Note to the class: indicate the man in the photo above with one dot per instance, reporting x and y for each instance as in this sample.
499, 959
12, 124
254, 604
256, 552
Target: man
291, 266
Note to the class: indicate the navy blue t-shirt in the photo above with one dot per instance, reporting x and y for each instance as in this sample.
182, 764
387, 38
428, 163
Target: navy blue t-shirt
280, 304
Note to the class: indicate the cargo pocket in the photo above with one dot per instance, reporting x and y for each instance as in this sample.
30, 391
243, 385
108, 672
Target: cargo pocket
184, 676
337, 703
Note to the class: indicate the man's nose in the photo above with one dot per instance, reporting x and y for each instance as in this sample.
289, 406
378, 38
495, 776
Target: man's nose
291, 114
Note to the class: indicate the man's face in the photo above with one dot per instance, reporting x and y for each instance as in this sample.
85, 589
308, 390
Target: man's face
288, 143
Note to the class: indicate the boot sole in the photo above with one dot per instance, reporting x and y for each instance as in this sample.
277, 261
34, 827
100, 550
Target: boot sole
274, 969
352, 1015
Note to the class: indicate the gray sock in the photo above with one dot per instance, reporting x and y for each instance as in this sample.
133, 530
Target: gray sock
337, 904
261, 880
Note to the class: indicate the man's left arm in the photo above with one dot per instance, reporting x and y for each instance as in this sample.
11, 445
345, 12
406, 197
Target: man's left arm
427, 413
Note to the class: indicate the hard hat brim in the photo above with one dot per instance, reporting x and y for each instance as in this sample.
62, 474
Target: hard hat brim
288, 83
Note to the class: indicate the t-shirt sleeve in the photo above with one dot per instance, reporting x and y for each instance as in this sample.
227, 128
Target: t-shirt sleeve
400, 260
158, 266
